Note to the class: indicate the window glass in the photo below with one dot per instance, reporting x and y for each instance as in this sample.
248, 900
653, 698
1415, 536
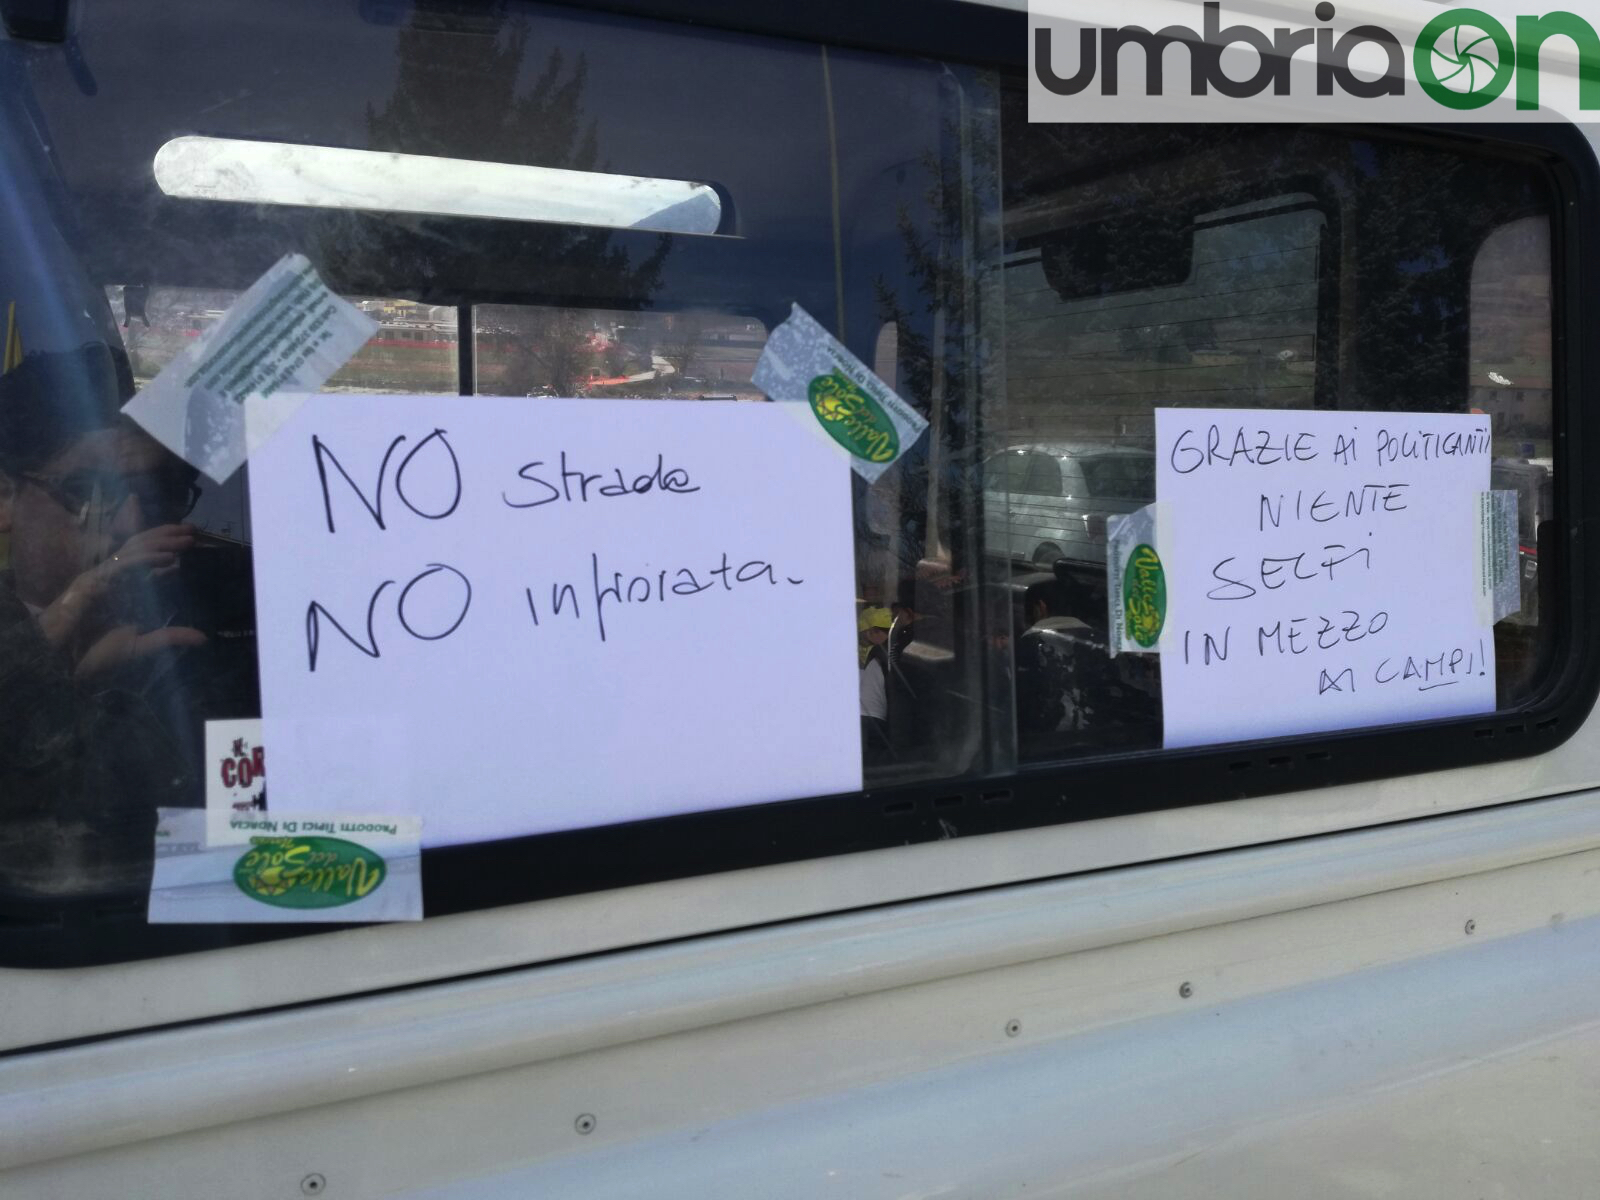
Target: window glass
1119, 476
1035, 292
112, 707
414, 349
1247, 270
527, 351
1511, 380
1043, 477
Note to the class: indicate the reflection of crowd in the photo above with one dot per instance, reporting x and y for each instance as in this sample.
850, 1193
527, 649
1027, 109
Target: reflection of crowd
1039, 648
92, 512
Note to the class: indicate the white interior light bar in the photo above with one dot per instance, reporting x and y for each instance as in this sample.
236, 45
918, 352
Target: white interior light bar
249, 172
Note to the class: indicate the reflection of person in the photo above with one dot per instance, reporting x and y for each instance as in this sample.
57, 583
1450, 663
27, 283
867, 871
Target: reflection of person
91, 508
135, 297
872, 634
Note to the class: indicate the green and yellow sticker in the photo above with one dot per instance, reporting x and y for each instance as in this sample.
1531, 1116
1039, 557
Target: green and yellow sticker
853, 419
308, 872
1144, 595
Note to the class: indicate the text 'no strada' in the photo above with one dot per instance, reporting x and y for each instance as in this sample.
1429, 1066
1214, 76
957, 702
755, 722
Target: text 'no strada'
422, 478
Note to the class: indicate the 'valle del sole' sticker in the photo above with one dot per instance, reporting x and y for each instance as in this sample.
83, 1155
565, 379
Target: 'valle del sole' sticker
1136, 583
853, 419
803, 364
286, 867
308, 872
1144, 595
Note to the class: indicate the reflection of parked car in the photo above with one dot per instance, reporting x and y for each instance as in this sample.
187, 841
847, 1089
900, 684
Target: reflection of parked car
1050, 501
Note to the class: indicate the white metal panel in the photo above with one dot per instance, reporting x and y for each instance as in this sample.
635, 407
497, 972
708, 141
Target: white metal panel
48, 1006
1465, 1074
877, 1045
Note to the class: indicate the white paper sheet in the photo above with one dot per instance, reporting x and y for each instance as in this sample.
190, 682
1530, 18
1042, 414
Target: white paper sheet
1321, 570
516, 661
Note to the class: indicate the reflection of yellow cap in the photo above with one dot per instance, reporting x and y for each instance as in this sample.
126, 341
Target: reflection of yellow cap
874, 618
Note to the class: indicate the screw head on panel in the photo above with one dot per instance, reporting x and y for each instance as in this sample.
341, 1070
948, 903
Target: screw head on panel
1471, 927
313, 1184
1013, 1027
1186, 989
585, 1123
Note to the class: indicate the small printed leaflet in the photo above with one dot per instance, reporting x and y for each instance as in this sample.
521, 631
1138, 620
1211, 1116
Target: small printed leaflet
1499, 581
804, 364
286, 334
515, 616
1325, 570
305, 867
236, 777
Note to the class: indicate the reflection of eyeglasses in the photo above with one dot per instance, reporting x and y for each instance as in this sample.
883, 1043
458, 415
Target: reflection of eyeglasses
102, 493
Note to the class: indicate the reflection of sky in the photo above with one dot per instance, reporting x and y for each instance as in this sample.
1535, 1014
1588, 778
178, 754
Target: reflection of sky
1433, 258
1365, 155
308, 71
745, 113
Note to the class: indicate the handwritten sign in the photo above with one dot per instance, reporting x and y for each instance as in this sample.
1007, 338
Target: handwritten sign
513, 616
1321, 569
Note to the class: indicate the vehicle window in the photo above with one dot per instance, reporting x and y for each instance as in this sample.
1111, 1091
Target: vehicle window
1511, 376
414, 350
1035, 292
1120, 476
1043, 476
523, 350
1011, 469
1277, 272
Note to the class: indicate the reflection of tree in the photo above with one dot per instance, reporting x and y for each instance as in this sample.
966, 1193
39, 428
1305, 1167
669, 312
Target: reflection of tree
941, 331
1422, 215
1384, 285
551, 348
616, 358
456, 95
681, 344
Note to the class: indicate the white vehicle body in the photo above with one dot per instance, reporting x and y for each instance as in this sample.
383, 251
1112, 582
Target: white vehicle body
1370, 990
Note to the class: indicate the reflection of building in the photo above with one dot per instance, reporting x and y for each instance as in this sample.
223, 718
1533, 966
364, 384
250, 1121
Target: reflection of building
1223, 313
414, 349
407, 320
1516, 412
416, 346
